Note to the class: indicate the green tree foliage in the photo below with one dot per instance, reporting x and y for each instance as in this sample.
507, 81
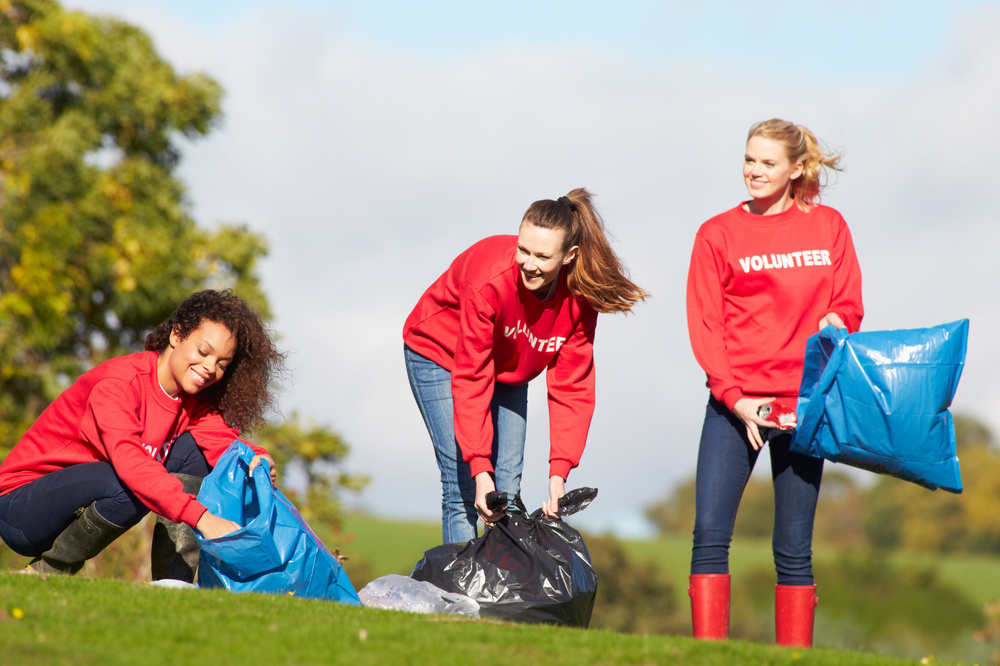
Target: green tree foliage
841, 501
884, 598
97, 245
868, 601
675, 515
905, 515
633, 597
755, 518
318, 454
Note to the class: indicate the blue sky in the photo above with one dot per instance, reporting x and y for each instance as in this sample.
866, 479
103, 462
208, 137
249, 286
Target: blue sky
853, 39
371, 142
838, 40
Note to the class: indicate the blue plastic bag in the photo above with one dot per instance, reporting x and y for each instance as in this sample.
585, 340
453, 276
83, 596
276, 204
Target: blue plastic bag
879, 400
275, 551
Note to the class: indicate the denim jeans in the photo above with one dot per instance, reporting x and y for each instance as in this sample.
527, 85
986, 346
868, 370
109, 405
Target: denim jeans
32, 516
431, 386
725, 460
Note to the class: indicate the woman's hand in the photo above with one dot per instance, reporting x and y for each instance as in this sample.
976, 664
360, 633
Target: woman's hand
270, 463
831, 319
213, 527
745, 410
484, 486
557, 488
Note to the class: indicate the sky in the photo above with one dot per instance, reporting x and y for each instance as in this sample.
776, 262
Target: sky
371, 142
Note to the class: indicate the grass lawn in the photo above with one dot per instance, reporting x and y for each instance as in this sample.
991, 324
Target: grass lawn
88, 621
61, 620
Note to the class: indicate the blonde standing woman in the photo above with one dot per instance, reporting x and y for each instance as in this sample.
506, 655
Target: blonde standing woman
764, 276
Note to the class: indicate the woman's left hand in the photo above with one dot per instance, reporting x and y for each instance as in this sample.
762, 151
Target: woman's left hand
270, 463
557, 488
831, 319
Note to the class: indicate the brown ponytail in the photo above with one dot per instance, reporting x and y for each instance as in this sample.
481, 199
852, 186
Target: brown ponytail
596, 273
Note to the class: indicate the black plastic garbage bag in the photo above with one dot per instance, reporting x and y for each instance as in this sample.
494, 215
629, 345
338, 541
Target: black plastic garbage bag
527, 568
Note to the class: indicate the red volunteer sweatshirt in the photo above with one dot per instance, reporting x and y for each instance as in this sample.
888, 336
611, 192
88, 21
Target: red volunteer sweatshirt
118, 413
479, 322
757, 287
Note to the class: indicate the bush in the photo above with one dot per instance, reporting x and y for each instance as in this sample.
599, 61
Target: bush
632, 597
866, 602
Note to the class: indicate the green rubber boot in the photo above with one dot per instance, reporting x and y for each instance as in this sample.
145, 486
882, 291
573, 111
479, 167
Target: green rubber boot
175, 553
83, 539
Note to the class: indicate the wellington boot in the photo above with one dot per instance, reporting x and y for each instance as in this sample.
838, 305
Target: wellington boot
83, 539
794, 611
175, 553
710, 606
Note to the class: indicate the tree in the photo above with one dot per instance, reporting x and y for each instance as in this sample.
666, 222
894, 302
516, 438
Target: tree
632, 596
754, 519
839, 509
97, 245
316, 453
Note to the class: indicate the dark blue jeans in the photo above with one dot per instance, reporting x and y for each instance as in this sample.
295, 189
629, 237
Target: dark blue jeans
32, 516
725, 460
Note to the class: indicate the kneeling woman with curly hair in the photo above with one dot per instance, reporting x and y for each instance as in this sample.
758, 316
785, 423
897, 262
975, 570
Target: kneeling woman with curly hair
139, 433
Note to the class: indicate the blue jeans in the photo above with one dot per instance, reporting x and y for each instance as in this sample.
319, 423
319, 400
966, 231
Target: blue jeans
32, 516
725, 460
431, 386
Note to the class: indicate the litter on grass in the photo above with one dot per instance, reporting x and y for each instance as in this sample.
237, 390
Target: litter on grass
395, 592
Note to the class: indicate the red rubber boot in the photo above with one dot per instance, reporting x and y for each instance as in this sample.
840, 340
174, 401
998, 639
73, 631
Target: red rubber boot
794, 610
710, 606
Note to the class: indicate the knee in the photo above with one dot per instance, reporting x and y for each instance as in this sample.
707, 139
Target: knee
185, 457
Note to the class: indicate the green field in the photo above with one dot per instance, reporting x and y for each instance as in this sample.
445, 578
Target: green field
85, 621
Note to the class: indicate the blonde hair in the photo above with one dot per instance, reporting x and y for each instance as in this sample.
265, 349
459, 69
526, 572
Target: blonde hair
596, 274
801, 146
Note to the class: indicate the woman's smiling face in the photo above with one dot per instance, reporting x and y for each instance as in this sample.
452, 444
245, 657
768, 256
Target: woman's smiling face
540, 256
767, 171
197, 361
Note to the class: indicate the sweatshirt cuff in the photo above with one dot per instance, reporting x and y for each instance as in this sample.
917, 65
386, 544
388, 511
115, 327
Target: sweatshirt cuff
731, 397
844, 318
560, 468
479, 465
192, 513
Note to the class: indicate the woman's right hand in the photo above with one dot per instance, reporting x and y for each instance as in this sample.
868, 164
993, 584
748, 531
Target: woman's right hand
484, 486
212, 527
745, 410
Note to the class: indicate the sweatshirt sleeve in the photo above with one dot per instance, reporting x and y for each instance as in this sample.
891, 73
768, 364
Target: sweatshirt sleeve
213, 435
706, 320
571, 380
472, 380
111, 422
846, 299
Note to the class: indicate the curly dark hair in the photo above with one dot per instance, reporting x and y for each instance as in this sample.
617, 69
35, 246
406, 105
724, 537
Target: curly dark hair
244, 394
